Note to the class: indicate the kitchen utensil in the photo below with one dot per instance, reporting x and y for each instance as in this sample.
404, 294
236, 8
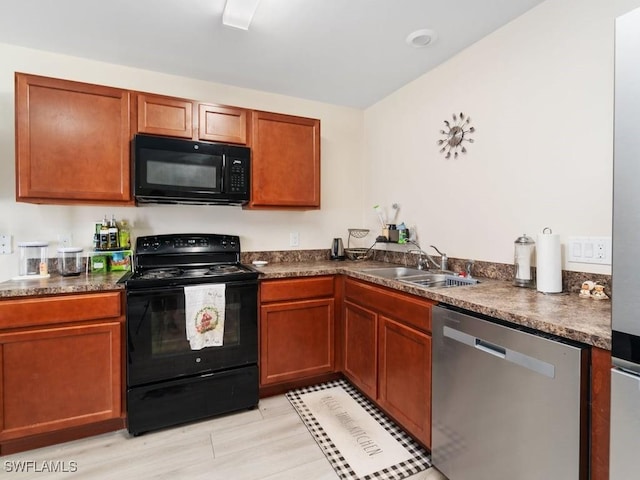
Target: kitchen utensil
396, 210
381, 217
337, 249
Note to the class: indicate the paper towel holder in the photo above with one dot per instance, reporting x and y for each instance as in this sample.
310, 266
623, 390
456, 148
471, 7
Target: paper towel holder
548, 262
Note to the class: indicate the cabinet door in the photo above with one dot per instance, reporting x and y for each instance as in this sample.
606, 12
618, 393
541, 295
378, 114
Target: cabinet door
296, 340
160, 115
217, 123
405, 377
72, 142
360, 348
55, 378
285, 164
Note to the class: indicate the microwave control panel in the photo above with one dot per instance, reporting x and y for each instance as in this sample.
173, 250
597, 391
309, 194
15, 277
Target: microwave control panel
237, 179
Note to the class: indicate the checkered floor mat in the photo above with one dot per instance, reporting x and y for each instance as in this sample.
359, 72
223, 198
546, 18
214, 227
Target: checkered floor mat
420, 460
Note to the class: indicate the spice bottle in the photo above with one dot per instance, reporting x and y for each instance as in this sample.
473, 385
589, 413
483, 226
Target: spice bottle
104, 234
113, 234
124, 235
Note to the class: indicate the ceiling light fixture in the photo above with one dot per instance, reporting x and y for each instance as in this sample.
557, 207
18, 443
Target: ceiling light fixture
239, 13
421, 38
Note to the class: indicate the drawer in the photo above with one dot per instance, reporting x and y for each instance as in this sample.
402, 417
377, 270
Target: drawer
298, 288
27, 312
409, 309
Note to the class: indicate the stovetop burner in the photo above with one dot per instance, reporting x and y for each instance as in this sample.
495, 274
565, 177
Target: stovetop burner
157, 273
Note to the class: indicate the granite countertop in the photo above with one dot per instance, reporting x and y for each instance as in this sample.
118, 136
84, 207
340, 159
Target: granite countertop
565, 315
57, 284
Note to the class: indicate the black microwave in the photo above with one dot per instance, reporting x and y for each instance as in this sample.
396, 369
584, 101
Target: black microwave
174, 170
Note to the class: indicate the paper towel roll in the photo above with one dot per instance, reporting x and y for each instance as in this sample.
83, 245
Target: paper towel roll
548, 263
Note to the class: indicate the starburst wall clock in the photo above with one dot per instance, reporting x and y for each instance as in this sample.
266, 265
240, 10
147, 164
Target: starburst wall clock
455, 134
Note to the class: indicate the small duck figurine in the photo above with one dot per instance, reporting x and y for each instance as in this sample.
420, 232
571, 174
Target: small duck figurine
585, 290
598, 293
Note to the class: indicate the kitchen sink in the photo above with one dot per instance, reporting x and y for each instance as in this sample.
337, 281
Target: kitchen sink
394, 273
420, 277
438, 280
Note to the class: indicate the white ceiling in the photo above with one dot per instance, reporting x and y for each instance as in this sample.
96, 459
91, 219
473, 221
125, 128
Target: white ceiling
344, 52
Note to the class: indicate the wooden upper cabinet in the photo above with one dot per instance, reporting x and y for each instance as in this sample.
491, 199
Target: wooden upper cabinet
159, 115
285, 168
177, 117
72, 142
217, 123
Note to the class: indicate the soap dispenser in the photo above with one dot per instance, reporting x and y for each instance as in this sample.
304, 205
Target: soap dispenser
523, 262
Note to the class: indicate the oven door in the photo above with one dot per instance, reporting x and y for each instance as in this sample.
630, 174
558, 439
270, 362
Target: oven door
157, 345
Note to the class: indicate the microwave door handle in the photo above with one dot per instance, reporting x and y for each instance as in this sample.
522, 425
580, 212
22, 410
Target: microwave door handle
223, 178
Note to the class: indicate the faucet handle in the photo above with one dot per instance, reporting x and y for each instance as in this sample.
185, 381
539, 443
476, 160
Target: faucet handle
444, 261
467, 267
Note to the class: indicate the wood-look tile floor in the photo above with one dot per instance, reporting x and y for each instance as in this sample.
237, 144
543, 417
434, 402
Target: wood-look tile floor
267, 443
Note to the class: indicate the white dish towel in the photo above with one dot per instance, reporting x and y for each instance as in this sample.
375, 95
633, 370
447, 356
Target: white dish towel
204, 307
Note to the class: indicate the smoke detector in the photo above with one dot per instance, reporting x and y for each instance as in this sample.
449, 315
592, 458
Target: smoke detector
421, 38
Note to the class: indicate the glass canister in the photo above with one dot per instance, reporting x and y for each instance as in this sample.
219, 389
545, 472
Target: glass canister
33, 259
523, 262
70, 261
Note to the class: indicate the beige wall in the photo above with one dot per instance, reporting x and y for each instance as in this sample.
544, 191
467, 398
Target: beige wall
539, 92
540, 95
341, 146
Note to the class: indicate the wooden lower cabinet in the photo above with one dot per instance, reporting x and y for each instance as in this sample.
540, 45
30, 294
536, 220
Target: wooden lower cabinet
60, 380
387, 352
404, 380
296, 329
361, 348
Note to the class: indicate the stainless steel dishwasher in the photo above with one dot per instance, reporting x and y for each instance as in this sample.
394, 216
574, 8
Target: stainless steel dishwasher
507, 403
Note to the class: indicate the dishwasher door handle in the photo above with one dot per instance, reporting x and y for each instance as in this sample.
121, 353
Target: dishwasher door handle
490, 348
513, 356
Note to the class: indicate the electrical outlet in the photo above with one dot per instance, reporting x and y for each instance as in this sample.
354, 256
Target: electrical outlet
589, 250
5, 244
294, 239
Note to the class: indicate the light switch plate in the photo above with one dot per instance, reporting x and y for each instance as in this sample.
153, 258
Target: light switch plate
589, 250
294, 239
5, 244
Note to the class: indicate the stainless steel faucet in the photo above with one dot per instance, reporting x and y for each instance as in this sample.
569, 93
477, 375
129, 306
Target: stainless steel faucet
425, 259
423, 263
